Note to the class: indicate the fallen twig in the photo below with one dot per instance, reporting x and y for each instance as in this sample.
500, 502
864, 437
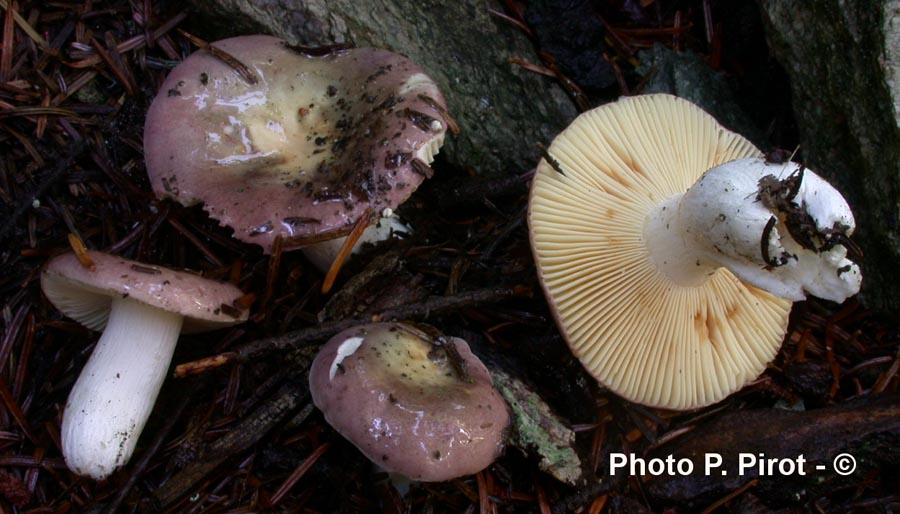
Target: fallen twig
247, 432
298, 338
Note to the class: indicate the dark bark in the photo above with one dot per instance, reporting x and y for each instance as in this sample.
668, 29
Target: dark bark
843, 66
503, 110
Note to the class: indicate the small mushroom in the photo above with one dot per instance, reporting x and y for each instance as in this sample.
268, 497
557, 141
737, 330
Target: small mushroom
670, 250
315, 144
141, 310
415, 405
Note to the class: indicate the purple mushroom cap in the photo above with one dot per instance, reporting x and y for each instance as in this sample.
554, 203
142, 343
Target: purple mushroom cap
413, 404
85, 295
304, 152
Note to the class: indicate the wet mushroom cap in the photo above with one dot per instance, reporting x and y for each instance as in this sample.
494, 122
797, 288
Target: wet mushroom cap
305, 151
647, 338
428, 412
85, 295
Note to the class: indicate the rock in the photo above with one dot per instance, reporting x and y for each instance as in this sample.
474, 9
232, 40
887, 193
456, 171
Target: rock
687, 75
843, 60
503, 110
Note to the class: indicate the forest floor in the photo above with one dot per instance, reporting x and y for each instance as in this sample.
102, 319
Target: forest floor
75, 81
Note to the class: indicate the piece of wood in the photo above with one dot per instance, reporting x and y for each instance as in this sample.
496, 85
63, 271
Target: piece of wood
868, 429
245, 433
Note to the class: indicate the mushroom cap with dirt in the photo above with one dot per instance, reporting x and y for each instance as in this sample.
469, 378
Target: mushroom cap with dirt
316, 143
141, 309
415, 404
670, 250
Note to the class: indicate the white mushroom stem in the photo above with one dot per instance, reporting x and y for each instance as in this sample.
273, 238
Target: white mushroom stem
779, 227
322, 254
114, 394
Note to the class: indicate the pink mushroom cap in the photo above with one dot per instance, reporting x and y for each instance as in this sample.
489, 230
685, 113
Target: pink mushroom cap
304, 152
85, 294
422, 407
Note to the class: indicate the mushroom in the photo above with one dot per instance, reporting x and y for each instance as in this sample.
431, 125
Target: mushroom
670, 250
141, 309
417, 405
322, 254
314, 145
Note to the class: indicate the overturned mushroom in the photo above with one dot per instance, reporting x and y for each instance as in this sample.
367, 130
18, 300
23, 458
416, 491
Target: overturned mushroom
141, 310
416, 405
670, 251
316, 143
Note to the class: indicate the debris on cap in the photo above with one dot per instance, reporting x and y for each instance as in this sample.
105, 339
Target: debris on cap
301, 154
85, 294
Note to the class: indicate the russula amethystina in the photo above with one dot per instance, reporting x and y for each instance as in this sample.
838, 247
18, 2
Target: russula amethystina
316, 143
420, 406
670, 250
141, 310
